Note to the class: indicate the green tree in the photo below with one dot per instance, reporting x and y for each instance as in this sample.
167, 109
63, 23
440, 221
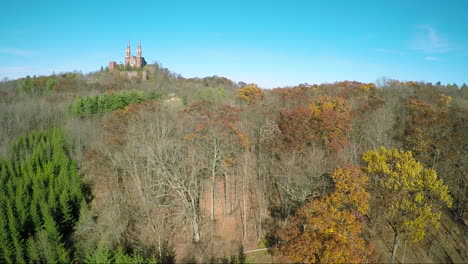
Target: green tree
101, 255
464, 90
50, 83
91, 105
27, 84
33, 253
38, 193
212, 95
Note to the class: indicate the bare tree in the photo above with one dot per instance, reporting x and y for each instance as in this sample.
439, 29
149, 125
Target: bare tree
164, 168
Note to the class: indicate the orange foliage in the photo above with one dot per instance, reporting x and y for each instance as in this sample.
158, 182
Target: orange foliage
436, 134
329, 229
326, 121
118, 122
296, 95
427, 128
240, 135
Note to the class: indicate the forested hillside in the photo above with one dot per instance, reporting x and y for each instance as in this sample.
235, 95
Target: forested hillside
107, 168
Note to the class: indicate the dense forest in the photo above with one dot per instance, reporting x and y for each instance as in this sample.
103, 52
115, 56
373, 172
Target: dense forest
109, 167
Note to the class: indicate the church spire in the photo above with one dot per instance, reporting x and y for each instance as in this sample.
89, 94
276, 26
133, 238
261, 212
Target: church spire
139, 50
128, 52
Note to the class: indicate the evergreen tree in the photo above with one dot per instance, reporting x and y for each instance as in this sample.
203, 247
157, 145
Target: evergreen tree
40, 187
82, 106
101, 255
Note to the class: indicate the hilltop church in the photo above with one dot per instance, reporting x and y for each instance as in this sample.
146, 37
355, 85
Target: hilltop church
137, 61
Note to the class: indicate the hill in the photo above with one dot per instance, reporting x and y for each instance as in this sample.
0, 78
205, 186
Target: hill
114, 167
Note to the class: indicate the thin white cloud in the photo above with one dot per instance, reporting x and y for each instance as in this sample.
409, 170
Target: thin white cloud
17, 52
428, 39
431, 58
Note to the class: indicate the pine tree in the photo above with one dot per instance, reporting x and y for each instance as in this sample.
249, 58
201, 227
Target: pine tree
46, 247
100, 255
6, 253
32, 251
14, 233
122, 257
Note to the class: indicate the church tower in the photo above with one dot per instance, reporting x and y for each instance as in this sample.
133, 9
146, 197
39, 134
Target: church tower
140, 61
127, 54
134, 61
139, 50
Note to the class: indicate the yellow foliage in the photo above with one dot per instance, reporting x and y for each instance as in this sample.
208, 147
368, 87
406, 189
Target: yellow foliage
367, 87
227, 162
327, 103
333, 117
190, 136
411, 193
250, 93
444, 100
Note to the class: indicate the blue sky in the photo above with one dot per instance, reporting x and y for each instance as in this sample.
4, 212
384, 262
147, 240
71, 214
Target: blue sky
272, 43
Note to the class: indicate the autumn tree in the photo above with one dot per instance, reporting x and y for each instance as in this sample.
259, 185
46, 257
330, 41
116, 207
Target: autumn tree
250, 93
433, 133
163, 170
326, 121
293, 96
426, 129
329, 229
153, 177
372, 119
410, 195
217, 139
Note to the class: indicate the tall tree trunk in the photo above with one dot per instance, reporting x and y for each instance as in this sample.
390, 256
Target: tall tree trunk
196, 230
244, 209
195, 219
235, 203
241, 212
395, 246
212, 199
213, 178
225, 194
404, 252
139, 186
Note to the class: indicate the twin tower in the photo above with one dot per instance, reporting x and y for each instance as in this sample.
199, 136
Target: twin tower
135, 61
